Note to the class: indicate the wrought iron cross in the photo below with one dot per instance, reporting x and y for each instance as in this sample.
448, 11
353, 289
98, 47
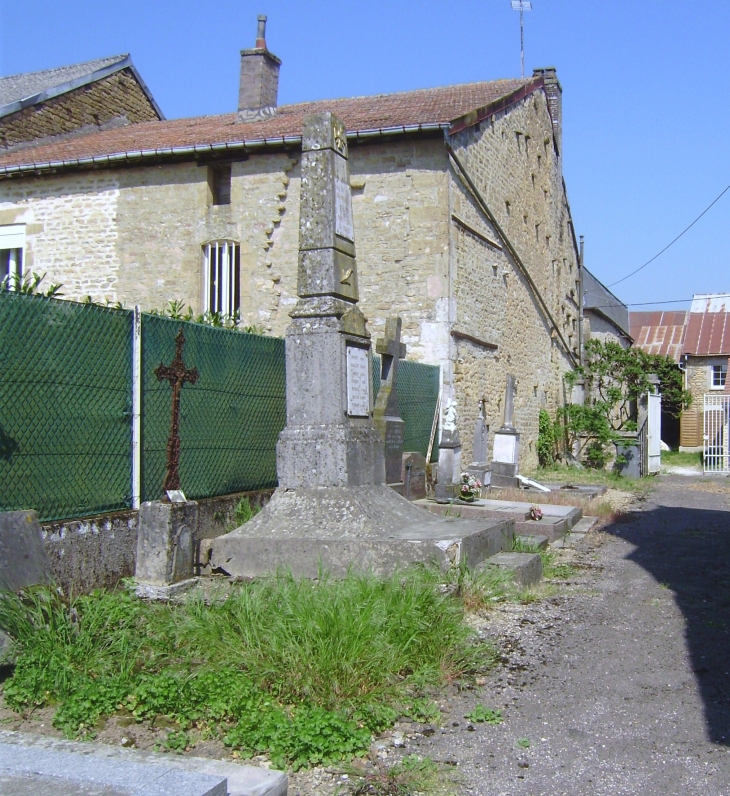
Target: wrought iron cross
391, 351
177, 375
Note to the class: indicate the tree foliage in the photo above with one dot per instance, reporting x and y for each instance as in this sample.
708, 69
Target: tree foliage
615, 380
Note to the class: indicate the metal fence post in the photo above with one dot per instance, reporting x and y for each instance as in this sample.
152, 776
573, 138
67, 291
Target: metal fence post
136, 407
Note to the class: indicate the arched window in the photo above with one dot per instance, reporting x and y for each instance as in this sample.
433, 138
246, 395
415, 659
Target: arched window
222, 277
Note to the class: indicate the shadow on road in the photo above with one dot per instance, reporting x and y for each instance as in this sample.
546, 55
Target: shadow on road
688, 551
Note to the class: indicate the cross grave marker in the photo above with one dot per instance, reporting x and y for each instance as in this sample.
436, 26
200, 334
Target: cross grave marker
177, 374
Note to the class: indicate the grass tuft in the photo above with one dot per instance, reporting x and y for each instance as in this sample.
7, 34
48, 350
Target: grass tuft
303, 670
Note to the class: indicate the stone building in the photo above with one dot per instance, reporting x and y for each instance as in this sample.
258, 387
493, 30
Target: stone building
462, 224
73, 99
604, 316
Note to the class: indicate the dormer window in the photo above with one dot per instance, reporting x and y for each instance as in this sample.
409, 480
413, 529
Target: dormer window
219, 179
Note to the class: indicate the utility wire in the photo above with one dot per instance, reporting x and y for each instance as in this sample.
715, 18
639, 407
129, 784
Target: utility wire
623, 279
636, 304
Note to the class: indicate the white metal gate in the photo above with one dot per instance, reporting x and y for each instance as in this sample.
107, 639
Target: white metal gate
654, 432
715, 438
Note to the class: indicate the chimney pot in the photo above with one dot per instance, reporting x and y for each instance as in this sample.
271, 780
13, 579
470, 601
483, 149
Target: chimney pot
261, 33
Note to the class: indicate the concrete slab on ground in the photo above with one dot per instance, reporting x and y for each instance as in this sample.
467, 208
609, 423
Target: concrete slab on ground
32, 764
468, 510
368, 528
584, 524
526, 568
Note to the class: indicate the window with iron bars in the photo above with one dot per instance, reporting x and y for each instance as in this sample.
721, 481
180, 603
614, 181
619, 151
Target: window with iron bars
12, 241
222, 277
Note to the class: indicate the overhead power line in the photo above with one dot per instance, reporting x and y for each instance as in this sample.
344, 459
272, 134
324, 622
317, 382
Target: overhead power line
717, 199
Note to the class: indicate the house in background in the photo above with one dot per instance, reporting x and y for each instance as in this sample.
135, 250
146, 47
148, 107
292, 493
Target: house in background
705, 356
699, 342
604, 316
462, 224
662, 332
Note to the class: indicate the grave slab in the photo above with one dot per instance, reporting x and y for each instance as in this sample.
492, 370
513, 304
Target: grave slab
552, 527
534, 542
31, 764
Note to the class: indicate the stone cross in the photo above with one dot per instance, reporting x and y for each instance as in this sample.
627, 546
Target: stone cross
386, 415
479, 455
177, 374
509, 403
391, 350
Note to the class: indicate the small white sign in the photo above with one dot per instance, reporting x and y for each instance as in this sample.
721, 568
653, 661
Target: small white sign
358, 382
344, 226
176, 496
505, 448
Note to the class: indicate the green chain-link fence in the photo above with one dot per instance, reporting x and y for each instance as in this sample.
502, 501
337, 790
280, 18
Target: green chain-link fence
418, 391
65, 407
230, 418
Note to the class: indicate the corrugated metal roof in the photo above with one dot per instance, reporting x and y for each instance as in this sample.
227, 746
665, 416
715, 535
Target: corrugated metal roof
708, 325
659, 332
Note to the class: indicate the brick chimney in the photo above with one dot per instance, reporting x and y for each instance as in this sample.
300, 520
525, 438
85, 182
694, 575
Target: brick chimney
554, 93
259, 84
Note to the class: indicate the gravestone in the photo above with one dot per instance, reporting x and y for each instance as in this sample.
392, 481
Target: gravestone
506, 453
333, 510
479, 467
449, 456
386, 415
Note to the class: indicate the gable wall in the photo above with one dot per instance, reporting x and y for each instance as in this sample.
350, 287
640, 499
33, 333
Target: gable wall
117, 96
511, 159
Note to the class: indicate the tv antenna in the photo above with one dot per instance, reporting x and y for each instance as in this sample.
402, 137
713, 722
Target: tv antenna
522, 6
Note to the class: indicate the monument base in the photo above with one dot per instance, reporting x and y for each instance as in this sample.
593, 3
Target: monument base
481, 472
165, 538
504, 475
337, 530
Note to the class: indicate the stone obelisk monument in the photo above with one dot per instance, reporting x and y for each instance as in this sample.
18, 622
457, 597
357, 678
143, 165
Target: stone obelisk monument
333, 510
329, 439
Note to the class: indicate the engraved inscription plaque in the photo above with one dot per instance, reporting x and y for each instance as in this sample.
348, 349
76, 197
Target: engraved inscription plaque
343, 201
358, 382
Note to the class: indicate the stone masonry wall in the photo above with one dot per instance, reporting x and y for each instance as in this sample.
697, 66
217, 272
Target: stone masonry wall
511, 159
135, 235
117, 96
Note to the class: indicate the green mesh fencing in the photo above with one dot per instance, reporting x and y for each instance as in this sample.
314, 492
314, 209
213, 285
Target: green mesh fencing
230, 418
65, 407
418, 391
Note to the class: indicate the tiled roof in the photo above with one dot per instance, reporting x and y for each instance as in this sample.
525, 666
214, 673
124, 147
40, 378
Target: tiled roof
708, 326
19, 87
425, 108
659, 332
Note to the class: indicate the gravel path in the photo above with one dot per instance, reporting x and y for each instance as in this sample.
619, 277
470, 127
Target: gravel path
622, 685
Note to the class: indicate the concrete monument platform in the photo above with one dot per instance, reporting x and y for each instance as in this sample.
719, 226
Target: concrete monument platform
333, 510
34, 764
366, 529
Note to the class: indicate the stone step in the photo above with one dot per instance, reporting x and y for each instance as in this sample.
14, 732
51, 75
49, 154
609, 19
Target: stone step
38, 764
526, 568
534, 542
552, 527
584, 524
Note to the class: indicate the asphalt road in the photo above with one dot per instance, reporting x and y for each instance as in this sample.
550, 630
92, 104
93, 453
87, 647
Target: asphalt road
622, 686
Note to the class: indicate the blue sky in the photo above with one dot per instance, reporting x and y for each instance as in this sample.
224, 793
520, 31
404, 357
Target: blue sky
646, 117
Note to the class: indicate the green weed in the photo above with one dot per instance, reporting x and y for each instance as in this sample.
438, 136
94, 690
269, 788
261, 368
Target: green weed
523, 743
482, 715
303, 670
413, 775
